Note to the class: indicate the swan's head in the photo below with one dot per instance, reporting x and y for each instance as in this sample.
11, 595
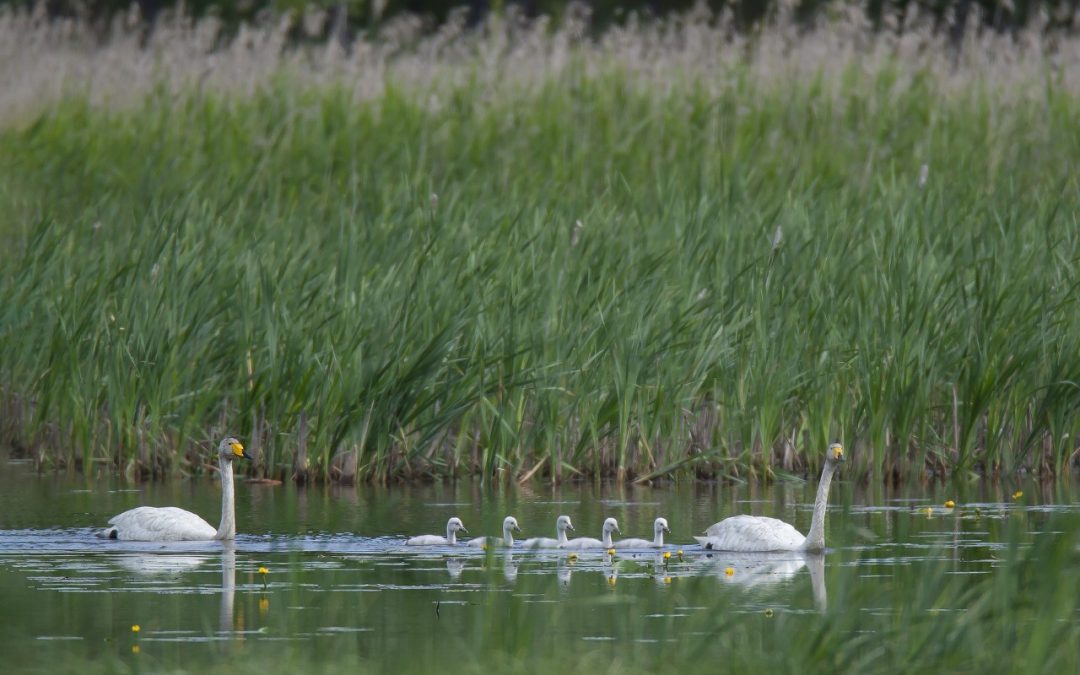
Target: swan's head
563, 523
455, 525
612, 525
230, 449
836, 453
661, 524
510, 523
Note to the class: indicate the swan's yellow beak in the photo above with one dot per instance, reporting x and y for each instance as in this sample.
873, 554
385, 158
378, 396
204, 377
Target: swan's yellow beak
238, 450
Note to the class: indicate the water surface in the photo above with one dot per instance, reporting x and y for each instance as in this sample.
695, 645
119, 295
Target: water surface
340, 589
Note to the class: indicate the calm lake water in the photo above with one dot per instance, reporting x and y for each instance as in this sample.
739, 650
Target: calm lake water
341, 591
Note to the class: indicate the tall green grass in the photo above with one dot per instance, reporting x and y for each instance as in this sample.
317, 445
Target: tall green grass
606, 272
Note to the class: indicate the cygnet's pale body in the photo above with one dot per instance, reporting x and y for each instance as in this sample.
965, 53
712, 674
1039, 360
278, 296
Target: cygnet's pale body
610, 525
660, 526
510, 524
453, 526
561, 526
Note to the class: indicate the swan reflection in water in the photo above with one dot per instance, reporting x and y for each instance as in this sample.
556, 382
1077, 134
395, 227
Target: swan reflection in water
564, 570
510, 567
161, 565
228, 587
454, 567
762, 571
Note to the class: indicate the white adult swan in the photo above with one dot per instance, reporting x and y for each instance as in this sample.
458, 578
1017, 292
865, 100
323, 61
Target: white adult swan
168, 523
509, 525
659, 528
453, 526
610, 525
561, 526
761, 534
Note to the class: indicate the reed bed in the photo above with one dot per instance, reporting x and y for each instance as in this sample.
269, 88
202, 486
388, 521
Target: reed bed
521, 252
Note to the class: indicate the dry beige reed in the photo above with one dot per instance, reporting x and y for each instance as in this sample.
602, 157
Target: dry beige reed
43, 61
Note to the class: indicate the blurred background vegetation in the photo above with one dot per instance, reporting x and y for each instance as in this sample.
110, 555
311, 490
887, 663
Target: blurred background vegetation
366, 15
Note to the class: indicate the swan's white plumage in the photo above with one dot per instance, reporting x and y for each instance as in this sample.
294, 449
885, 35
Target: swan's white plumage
753, 534
507, 539
169, 523
562, 524
659, 527
610, 525
453, 526
166, 523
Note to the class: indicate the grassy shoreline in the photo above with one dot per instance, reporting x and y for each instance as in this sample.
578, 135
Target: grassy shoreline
610, 261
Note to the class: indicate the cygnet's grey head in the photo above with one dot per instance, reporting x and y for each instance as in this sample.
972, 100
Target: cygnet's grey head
661, 524
563, 523
510, 523
612, 525
455, 525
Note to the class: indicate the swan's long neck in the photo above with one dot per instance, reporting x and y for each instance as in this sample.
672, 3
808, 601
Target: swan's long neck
658, 536
560, 534
227, 529
607, 538
508, 534
451, 535
815, 540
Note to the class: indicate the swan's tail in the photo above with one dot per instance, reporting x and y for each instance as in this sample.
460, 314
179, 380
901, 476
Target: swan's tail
107, 533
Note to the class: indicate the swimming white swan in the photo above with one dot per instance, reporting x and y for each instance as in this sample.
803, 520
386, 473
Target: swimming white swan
659, 528
509, 525
453, 526
561, 526
759, 534
168, 523
610, 525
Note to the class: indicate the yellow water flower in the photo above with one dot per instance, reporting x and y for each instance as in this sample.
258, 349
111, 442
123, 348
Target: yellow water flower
135, 628
1018, 494
572, 557
611, 551
667, 555
768, 613
730, 571
950, 504
679, 553
263, 570
611, 580
667, 580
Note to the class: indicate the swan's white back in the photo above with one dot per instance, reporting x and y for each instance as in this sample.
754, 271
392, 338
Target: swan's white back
167, 523
752, 533
428, 540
